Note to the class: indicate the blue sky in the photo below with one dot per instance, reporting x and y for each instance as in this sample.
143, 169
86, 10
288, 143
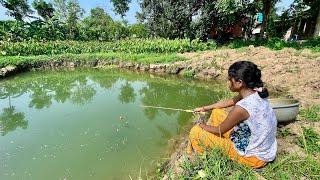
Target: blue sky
134, 7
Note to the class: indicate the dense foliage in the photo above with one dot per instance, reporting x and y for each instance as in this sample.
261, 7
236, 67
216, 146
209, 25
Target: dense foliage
130, 46
196, 19
17, 8
192, 19
63, 20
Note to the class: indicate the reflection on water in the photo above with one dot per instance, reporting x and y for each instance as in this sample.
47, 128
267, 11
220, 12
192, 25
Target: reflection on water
94, 118
127, 94
10, 120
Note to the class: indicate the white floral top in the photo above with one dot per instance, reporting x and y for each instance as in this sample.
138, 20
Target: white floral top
256, 136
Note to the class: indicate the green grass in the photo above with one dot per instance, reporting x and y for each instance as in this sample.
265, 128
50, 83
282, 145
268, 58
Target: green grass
144, 58
292, 167
283, 132
311, 114
216, 165
310, 140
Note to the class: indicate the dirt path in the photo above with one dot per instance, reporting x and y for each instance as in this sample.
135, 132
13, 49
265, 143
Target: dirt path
295, 72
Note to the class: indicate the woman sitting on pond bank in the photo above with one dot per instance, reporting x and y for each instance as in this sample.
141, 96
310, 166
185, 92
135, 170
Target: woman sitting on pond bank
248, 133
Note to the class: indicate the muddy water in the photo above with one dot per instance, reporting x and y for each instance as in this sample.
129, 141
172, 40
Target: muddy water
89, 124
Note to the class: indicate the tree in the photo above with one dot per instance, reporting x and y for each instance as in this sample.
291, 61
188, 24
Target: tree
267, 6
120, 30
69, 12
44, 9
138, 30
314, 14
203, 20
121, 6
17, 8
317, 29
75, 12
304, 14
273, 27
179, 17
98, 26
60, 7
169, 19
190, 18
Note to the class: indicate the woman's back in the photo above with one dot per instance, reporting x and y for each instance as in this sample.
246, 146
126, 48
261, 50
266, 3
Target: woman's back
256, 136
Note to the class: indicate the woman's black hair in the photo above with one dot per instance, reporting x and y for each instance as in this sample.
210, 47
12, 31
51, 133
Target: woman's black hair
250, 74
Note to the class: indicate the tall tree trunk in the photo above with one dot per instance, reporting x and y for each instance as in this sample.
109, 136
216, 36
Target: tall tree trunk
317, 28
266, 10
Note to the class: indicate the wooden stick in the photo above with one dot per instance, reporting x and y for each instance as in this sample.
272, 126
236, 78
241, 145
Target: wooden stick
173, 109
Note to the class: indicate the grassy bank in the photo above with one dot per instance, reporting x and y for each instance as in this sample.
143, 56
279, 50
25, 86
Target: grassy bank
138, 46
143, 58
216, 165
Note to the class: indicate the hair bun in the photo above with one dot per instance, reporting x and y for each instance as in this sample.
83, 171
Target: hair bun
250, 74
264, 93
259, 83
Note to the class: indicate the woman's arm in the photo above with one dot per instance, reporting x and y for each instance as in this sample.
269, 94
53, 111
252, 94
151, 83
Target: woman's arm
221, 104
237, 115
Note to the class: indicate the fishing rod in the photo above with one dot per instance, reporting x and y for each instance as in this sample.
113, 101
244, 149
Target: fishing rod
173, 109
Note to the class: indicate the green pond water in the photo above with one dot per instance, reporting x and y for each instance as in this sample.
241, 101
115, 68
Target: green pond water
89, 124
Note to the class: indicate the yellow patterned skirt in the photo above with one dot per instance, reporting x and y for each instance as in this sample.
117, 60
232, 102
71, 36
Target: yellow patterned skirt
201, 140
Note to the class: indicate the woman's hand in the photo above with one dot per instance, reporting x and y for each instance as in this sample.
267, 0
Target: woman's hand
199, 109
203, 126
